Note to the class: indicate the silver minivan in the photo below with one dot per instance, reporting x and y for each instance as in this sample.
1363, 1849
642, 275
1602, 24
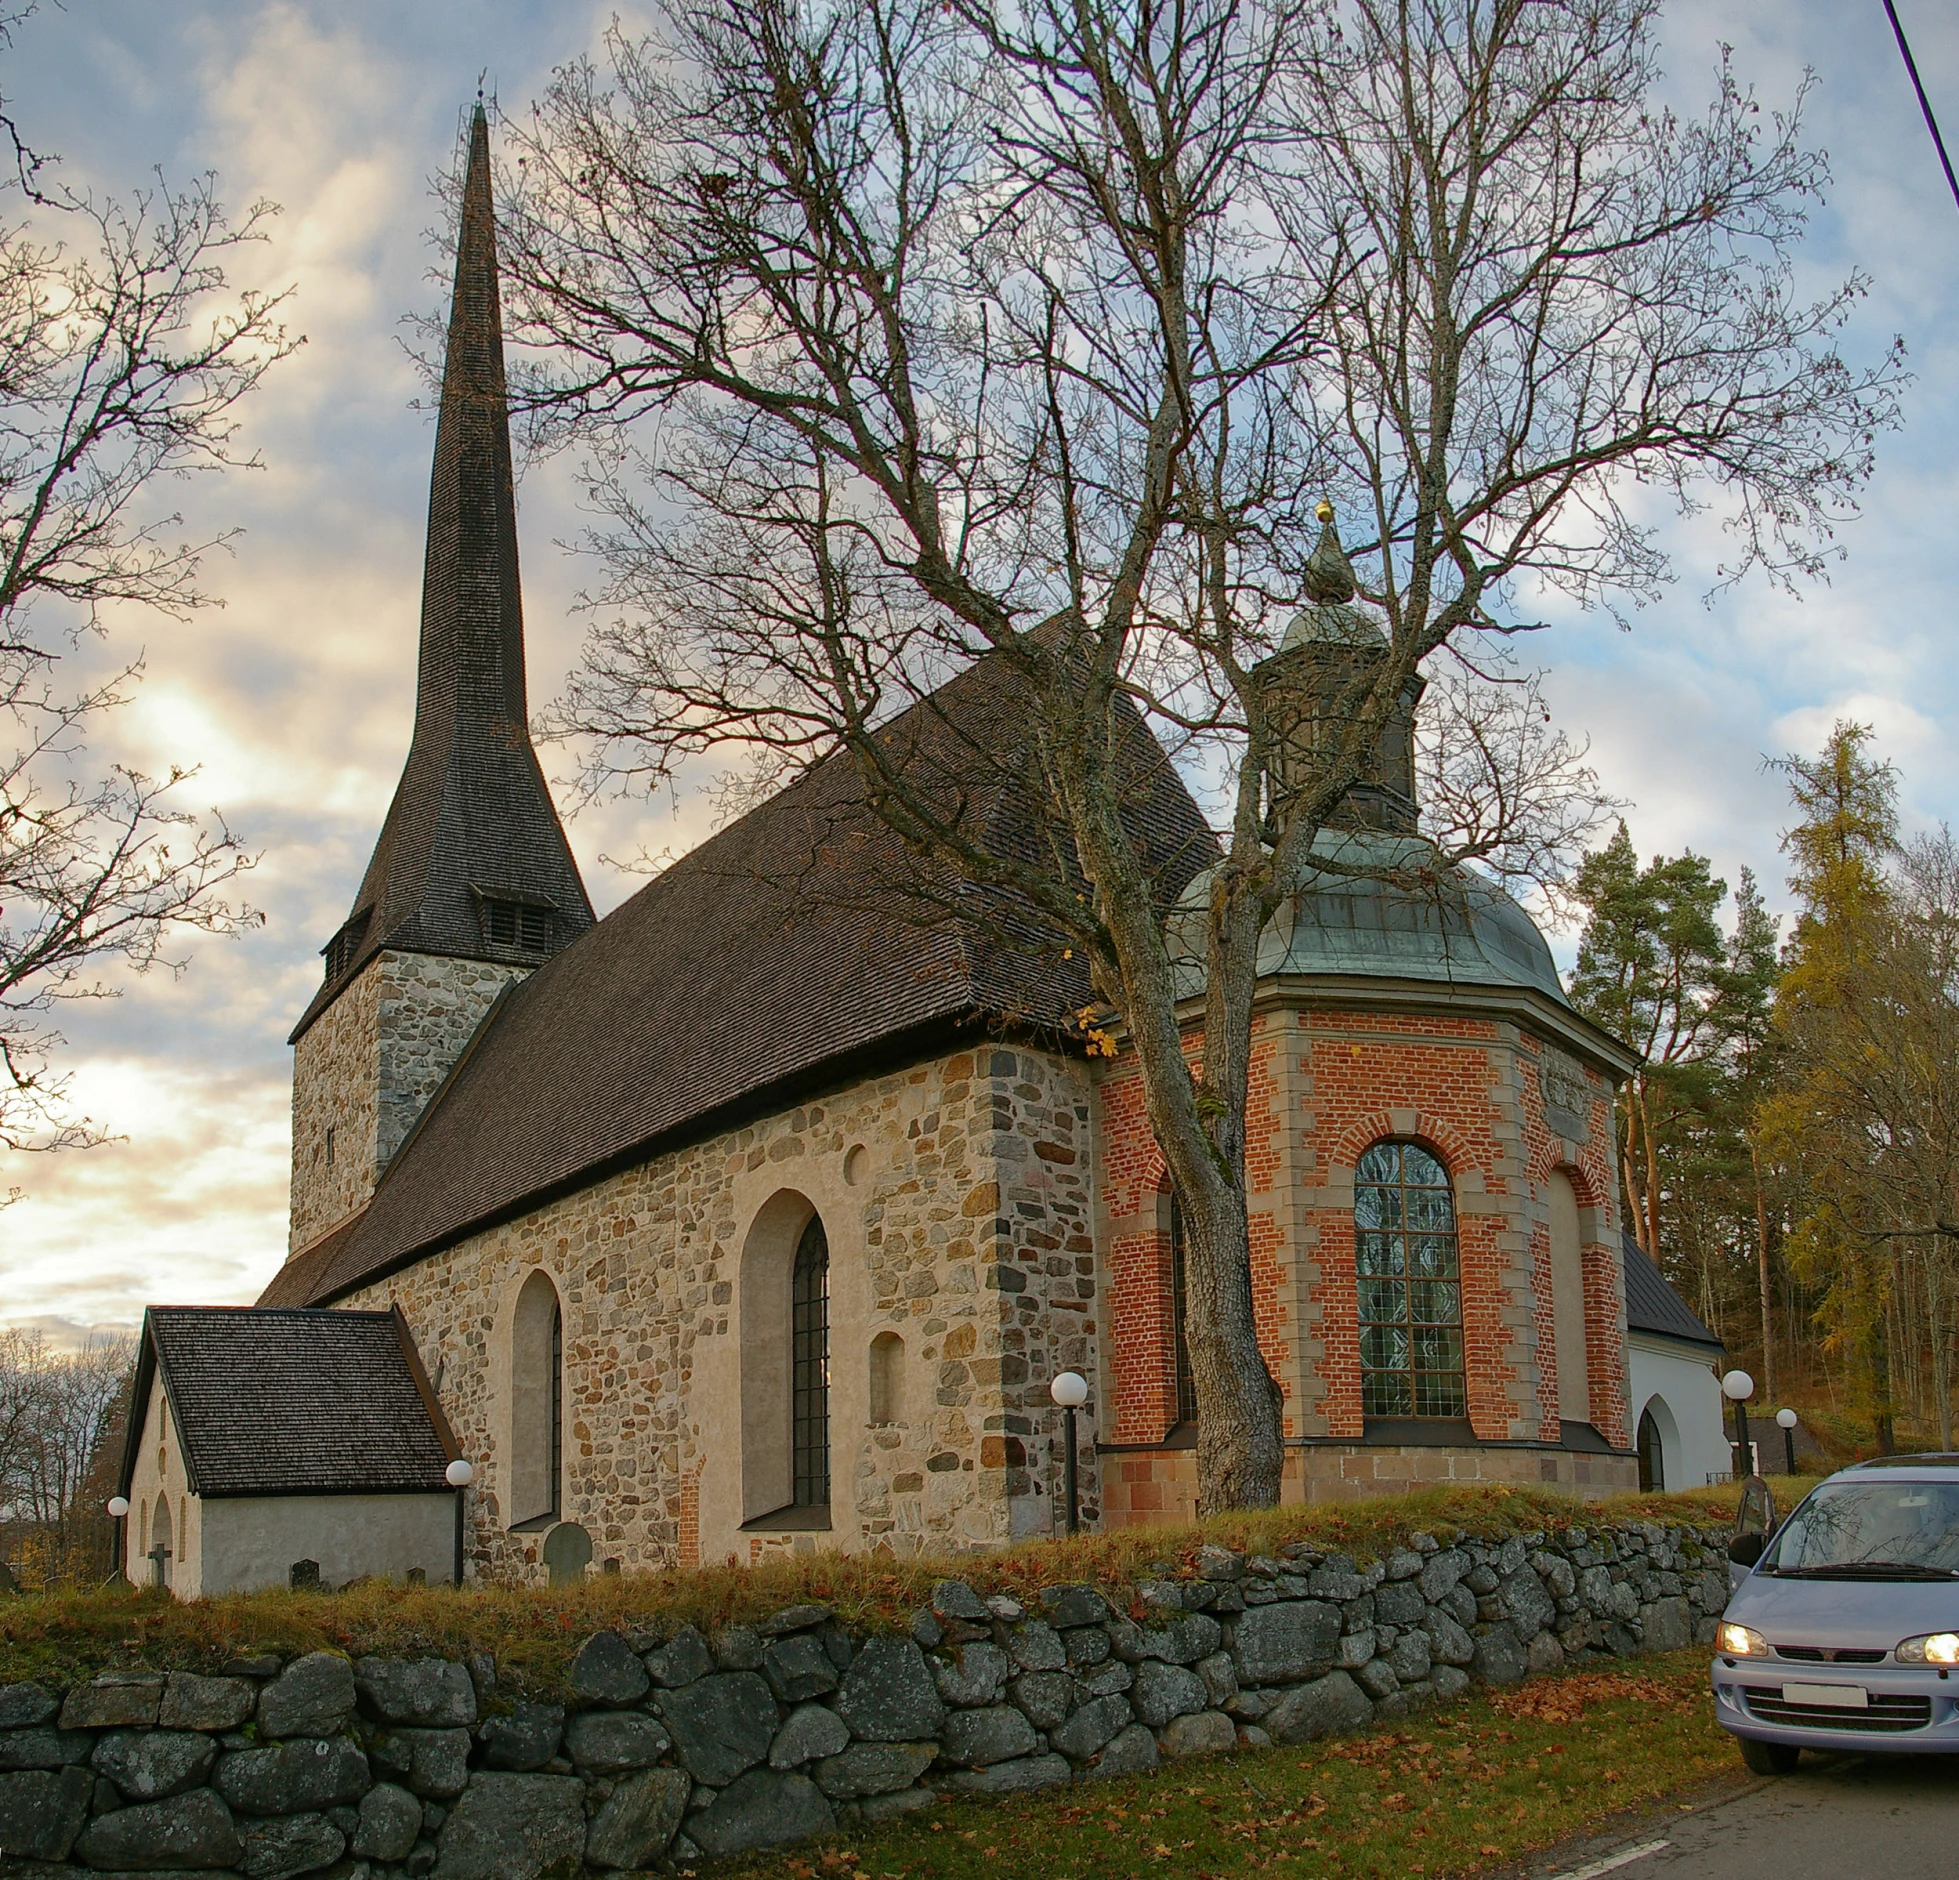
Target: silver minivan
1843, 1632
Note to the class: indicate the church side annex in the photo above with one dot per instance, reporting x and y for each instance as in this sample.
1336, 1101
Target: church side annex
758, 1215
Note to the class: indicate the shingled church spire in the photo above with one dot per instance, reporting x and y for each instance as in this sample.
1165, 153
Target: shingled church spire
472, 861
472, 867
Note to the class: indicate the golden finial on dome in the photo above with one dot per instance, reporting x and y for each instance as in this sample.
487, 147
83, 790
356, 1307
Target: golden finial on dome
1325, 511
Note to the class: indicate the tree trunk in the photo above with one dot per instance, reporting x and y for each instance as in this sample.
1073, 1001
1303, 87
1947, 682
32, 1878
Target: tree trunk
1652, 1177
1762, 1272
1883, 1424
1635, 1204
1198, 1116
1240, 1432
1935, 1314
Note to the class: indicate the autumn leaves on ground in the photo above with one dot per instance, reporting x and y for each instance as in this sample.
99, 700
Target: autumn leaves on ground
1465, 1790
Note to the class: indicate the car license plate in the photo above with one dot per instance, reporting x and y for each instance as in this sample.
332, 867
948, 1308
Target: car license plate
1834, 1696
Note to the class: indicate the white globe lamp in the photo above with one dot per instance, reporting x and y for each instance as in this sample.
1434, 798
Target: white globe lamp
1069, 1390
459, 1474
119, 1506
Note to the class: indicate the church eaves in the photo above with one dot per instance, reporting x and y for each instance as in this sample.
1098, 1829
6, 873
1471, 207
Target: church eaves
472, 861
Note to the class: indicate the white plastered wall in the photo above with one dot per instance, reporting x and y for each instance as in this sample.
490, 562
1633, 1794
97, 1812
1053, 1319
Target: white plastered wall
160, 1475
1688, 1410
253, 1541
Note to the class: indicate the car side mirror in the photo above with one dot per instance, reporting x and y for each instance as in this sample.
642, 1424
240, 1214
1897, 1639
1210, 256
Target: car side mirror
1745, 1549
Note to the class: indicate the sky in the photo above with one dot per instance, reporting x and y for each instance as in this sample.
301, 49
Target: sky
295, 695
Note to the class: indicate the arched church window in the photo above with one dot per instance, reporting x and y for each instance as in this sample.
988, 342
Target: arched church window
809, 1330
536, 1403
1186, 1381
1410, 1292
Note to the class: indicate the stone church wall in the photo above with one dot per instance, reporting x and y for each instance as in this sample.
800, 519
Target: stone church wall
956, 1198
366, 1068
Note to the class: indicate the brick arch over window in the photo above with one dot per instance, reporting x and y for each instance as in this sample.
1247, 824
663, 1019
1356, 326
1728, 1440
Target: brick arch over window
1436, 1134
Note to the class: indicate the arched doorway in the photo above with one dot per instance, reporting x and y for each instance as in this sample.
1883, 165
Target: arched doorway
1658, 1435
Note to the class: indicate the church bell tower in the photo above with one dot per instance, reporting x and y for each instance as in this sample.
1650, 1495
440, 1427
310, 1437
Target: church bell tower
472, 883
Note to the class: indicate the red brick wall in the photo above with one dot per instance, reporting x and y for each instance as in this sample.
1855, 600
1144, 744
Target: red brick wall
1324, 1086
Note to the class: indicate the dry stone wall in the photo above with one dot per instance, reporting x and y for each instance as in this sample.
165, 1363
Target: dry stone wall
673, 1747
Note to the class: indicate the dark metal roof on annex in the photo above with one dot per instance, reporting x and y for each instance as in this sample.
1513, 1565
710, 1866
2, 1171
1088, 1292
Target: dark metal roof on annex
1653, 1306
283, 1402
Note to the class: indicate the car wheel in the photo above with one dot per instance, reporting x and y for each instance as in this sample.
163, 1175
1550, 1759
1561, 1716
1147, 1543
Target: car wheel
1769, 1759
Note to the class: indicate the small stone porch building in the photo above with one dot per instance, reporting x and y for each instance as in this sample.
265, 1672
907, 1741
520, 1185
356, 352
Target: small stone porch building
759, 1214
260, 1440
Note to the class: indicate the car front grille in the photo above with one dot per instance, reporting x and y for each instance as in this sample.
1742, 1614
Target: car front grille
1831, 1655
1889, 1711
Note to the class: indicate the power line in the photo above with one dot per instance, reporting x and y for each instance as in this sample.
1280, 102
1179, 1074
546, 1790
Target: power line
1924, 103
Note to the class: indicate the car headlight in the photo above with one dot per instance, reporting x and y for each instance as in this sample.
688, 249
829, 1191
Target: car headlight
1743, 1641
1930, 1648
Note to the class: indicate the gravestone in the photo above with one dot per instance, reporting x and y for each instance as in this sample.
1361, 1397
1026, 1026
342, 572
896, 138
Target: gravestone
567, 1553
305, 1573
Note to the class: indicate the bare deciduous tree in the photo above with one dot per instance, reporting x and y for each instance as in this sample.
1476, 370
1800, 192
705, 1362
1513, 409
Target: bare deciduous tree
124, 353
58, 1410
913, 333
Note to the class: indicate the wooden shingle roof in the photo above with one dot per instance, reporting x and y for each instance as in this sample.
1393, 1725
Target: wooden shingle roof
472, 818
283, 1402
802, 944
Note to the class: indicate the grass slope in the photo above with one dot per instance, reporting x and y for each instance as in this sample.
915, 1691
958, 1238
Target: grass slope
1462, 1791
61, 1636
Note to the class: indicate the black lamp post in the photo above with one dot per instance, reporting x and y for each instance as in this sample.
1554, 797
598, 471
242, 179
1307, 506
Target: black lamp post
459, 1474
1738, 1387
118, 1513
1787, 1419
1070, 1391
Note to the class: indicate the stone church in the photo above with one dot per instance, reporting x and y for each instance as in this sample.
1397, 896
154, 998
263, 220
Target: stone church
757, 1216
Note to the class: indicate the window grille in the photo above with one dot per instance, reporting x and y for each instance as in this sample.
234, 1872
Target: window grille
1410, 1291
339, 953
557, 1408
810, 1367
1179, 1309
517, 924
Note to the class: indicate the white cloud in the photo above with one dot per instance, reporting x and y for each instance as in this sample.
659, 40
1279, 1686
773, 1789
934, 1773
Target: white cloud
296, 697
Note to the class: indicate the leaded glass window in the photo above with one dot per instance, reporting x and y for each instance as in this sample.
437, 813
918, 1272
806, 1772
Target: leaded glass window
557, 1405
1179, 1308
810, 1367
1410, 1291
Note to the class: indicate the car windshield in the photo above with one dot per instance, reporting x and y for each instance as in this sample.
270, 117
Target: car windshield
1855, 1528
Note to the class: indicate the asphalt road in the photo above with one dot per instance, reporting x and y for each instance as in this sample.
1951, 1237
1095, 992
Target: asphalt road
1847, 1817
